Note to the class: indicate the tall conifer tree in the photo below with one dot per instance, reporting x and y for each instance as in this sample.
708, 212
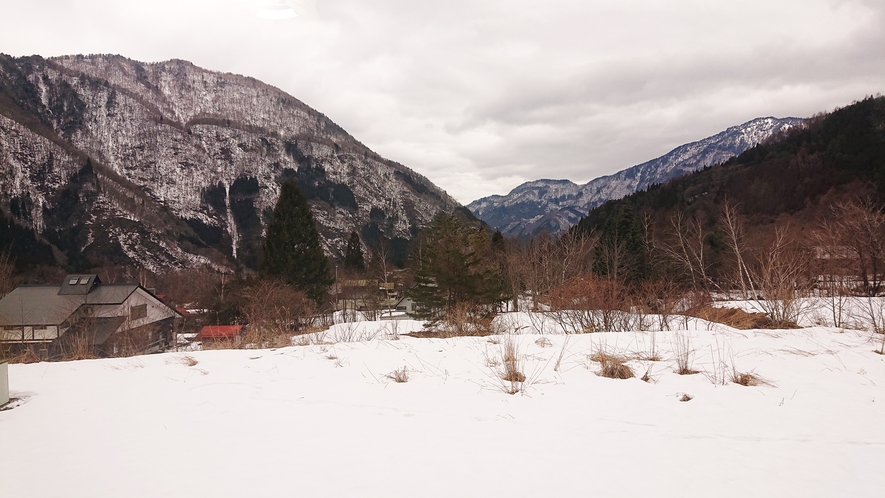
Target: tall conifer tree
353, 257
292, 247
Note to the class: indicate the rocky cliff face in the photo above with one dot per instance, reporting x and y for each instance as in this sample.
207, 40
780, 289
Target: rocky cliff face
556, 205
170, 165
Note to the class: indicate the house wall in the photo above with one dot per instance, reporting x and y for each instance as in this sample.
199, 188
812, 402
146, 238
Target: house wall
29, 333
149, 338
144, 334
156, 310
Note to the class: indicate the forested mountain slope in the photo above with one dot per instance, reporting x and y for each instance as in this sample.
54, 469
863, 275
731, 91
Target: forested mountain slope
106, 160
793, 182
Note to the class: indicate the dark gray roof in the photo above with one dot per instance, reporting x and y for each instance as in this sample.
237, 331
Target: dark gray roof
37, 305
44, 305
78, 285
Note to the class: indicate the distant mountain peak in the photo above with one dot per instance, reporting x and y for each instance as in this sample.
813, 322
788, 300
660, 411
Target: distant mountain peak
556, 205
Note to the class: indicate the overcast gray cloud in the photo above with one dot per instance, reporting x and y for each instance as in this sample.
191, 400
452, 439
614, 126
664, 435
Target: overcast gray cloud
482, 95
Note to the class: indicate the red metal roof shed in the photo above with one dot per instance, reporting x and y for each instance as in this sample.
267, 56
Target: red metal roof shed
220, 331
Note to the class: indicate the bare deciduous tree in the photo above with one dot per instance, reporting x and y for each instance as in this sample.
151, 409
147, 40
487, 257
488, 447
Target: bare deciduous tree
782, 276
274, 310
859, 227
8, 280
736, 240
687, 250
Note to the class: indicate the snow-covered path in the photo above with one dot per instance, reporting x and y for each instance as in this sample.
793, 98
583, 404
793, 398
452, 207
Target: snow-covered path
325, 420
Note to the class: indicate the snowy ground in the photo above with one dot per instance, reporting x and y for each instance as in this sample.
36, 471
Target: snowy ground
326, 420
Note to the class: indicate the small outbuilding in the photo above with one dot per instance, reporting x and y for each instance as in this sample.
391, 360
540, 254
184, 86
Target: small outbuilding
220, 333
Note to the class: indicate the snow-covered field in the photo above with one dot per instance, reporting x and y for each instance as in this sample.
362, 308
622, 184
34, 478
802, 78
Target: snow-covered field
324, 419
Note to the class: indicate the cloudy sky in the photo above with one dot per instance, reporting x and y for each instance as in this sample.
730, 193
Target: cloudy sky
482, 95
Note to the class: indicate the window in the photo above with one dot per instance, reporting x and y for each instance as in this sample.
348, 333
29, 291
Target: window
73, 281
139, 311
83, 280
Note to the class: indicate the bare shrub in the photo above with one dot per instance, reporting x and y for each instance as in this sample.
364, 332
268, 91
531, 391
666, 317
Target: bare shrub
652, 353
590, 303
464, 319
612, 365
684, 354
400, 375
659, 297
782, 276
391, 329
275, 311
28, 354
77, 344
722, 367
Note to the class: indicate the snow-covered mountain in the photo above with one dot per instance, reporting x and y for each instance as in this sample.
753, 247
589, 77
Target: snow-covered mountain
169, 165
556, 205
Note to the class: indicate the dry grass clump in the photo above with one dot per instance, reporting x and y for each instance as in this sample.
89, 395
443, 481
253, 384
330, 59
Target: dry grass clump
685, 397
612, 366
737, 318
646, 377
460, 320
748, 379
745, 379
684, 354
184, 359
511, 364
400, 375
507, 366
652, 354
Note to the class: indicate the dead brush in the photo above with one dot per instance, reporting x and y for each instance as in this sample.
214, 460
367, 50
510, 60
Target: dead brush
400, 375
26, 355
511, 362
748, 379
684, 354
506, 366
612, 366
544, 342
646, 377
184, 359
734, 317
651, 354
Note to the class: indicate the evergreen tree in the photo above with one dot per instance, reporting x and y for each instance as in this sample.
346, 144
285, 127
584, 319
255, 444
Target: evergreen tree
454, 264
353, 256
292, 247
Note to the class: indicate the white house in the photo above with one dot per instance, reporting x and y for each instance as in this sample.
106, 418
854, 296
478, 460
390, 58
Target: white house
109, 317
